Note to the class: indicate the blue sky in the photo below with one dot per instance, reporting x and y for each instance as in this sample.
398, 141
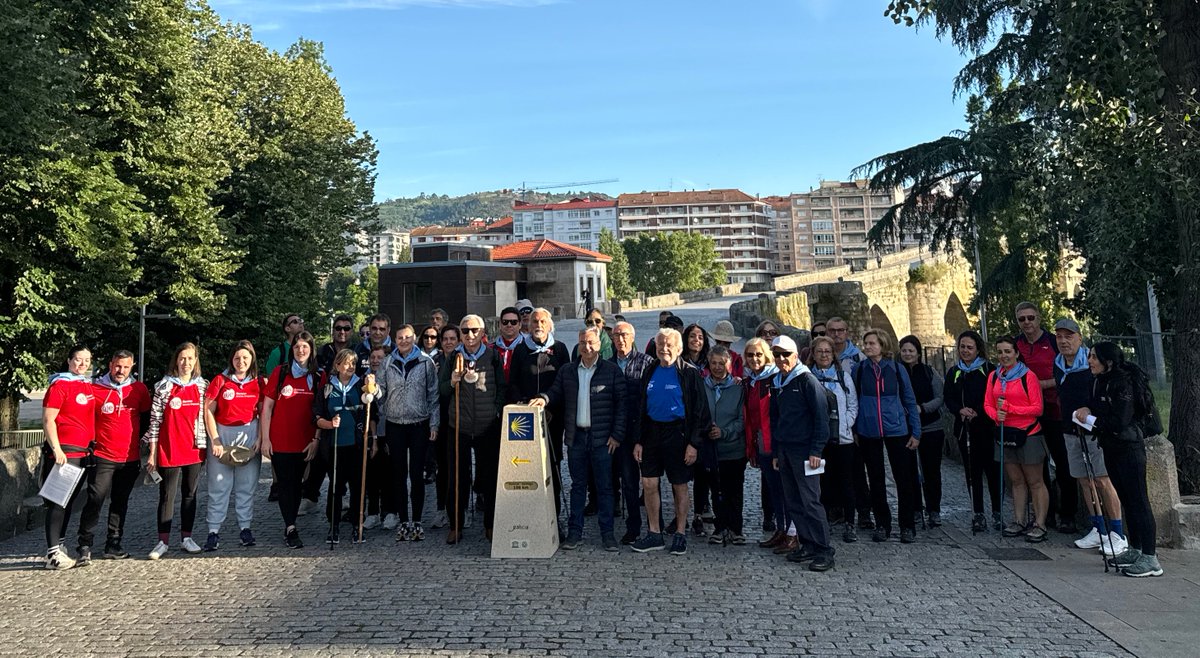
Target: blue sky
769, 96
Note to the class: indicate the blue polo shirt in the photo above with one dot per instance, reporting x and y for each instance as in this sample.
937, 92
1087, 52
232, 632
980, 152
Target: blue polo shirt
664, 396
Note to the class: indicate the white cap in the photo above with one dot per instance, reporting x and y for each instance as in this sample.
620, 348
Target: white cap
785, 343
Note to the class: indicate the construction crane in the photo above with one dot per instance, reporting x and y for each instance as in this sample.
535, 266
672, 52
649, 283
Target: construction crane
527, 187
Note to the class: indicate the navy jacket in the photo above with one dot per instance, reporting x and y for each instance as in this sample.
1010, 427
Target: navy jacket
609, 407
799, 414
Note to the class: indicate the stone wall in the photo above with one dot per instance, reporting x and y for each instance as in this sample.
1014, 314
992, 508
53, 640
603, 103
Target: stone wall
551, 284
644, 303
20, 479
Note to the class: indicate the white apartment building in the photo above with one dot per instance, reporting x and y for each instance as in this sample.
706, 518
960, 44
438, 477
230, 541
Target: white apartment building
476, 232
382, 249
576, 221
737, 222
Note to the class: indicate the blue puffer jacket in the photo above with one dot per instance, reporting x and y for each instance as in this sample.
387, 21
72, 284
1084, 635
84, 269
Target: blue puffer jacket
887, 405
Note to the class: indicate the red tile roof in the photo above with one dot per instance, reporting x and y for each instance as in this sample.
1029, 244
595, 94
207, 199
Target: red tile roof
571, 204
684, 198
545, 250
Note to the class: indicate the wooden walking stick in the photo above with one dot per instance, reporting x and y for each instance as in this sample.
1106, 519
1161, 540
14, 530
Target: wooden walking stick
362, 495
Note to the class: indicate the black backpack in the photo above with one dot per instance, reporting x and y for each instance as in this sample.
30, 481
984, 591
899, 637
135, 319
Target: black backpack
831, 401
1148, 420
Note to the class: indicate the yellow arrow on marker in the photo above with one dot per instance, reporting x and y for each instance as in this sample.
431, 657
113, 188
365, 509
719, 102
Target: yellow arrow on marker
517, 461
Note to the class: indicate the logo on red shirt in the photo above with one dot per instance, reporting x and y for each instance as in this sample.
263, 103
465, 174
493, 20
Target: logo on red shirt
287, 391
81, 399
228, 394
176, 403
108, 408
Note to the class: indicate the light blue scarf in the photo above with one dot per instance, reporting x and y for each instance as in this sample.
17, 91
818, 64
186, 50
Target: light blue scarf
972, 366
782, 379
462, 349
69, 377
851, 352
828, 376
107, 382
1013, 374
179, 382
405, 358
1078, 365
298, 370
537, 349
719, 387
768, 371
344, 389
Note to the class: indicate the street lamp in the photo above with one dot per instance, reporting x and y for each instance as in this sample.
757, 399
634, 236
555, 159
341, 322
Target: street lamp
142, 337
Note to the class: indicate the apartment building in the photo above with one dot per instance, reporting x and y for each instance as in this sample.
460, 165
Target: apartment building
575, 221
737, 222
382, 249
475, 232
782, 243
830, 223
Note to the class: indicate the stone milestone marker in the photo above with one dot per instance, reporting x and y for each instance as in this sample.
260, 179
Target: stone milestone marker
526, 523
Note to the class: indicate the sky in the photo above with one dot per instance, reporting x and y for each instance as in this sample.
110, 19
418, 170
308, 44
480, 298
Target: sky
768, 96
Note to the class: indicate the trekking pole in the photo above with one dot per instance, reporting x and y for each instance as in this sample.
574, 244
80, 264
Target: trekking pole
458, 367
1090, 472
966, 456
1002, 472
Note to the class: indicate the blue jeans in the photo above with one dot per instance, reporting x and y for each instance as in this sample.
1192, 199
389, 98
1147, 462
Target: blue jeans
582, 458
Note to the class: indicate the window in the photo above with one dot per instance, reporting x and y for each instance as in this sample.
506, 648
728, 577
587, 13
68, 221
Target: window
824, 251
851, 201
823, 238
485, 288
799, 201
822, 214
822, 226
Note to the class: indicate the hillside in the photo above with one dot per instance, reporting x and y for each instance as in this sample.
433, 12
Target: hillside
442, 209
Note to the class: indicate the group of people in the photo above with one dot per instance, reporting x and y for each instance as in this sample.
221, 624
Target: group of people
403, 405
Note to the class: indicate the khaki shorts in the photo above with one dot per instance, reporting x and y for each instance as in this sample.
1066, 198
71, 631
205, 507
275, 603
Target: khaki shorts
1075, 456
1033, 452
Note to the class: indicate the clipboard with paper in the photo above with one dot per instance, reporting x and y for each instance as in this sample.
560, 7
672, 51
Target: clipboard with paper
61, 483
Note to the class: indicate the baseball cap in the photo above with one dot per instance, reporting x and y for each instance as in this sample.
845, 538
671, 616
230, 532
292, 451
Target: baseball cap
1068, 324
785, 343
523, 305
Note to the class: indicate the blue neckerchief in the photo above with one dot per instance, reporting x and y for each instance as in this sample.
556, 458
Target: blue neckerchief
768, 371
500, 345
298, 370
69, 377
782, 380
462, 349
1013, 374
233, 378
719, 387
1078, 365
537, 349
431, 353
851, 352
107, 382
828, 376
343, 389
405, 358
972, 366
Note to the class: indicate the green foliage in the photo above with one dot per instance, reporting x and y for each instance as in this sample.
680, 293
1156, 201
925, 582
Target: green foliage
428, 209
674, 261
356, 296
619, 286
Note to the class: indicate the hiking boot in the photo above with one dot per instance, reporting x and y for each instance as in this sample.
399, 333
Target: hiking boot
212, 543
57, 559
572, 543
610, 543
85, 556
978, 523
1126, 558
1036, 534
653, 541
1146, 565
881, 535
629, 538
774, 540
114, 551
679, 544
908, 535
821, 563
787, 546
246, 537
849, 535
292, 539
1014, 529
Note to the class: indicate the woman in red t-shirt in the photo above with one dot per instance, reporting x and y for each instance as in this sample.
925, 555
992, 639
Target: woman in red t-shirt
177, 445
69, 420
289, 427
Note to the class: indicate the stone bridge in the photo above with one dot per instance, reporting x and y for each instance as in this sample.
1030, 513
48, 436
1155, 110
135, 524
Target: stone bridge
908, 292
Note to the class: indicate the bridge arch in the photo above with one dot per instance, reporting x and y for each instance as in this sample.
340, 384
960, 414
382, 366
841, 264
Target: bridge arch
880, 320
955, 317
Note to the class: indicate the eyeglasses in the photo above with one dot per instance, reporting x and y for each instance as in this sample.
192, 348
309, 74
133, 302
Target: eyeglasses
1026, 318
510, 323
836, 332
471, 330
345, 328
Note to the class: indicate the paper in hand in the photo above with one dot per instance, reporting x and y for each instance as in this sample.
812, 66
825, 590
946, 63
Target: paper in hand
1089, 424
61, 483
808, 470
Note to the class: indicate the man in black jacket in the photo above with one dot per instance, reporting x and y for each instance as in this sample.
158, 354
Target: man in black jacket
634, 364
592, 393
674, 419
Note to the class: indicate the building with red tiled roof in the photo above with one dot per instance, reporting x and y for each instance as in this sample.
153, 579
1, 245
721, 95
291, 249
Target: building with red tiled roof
478, 231
576, 221
737, 222
558, 275
545, 249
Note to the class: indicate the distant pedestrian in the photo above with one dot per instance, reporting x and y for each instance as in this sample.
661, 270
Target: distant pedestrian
69, 421
178, 442
927, 386
233, 404
289, 428
1014, 401
964, 389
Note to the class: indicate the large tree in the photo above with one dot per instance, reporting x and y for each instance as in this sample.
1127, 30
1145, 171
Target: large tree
619, 286
1106, 92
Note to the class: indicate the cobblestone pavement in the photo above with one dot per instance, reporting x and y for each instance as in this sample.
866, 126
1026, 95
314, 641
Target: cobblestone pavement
941, 595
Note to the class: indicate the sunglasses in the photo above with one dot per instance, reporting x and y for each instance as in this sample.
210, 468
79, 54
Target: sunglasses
768, 332
526, 311
510, 323
341, 328
471, 330
295, 321
428, 336
781, 355
1026, 318
818, 333
595, 322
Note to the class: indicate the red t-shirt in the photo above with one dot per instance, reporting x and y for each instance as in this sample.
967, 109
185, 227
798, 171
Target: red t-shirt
177, 434
1039, 356
293, 424
118, 422
76, 420
237, 404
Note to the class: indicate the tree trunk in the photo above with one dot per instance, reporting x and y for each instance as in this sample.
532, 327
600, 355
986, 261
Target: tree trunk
1179, 56
10, 412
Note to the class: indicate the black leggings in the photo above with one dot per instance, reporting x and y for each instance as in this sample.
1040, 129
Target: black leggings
407, 445
487, 458
728, 486
929, 477
1126, 464
347, 475
289, 476
979, 461
108, 477
57, 517
838, 479
185, 479
901, 459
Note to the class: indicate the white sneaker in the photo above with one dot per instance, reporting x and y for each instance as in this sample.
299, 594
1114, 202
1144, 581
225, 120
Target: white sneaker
306, 507
390, 522
468, 517
159, 550
1090, 540
441, 520
57, 559
371, 521
189, 545
1114, 545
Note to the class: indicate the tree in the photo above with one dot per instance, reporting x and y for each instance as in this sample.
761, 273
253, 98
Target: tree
1107, 92
673, 261
618, 270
